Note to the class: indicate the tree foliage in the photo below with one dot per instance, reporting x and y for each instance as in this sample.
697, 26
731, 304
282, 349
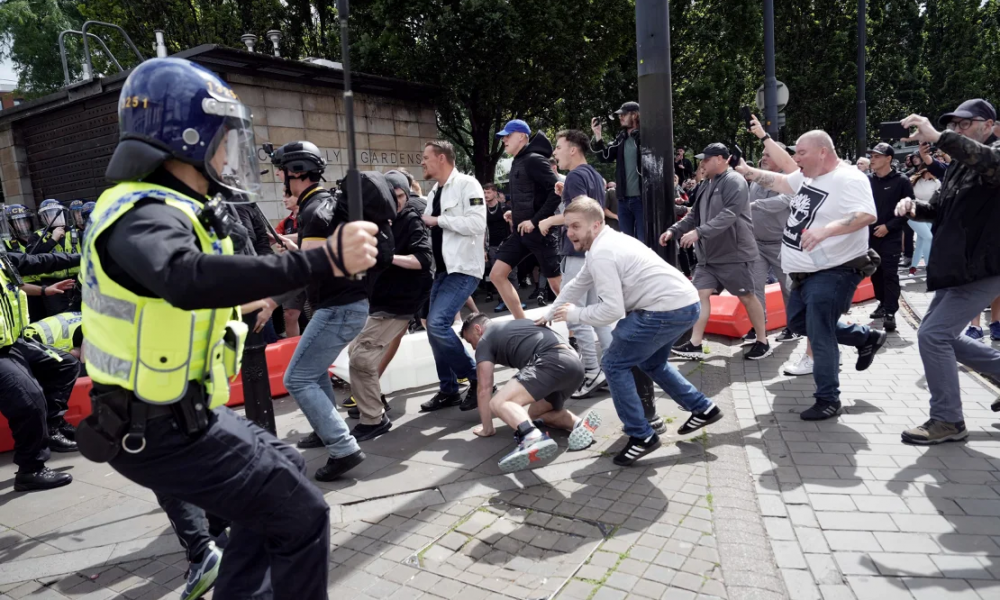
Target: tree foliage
560, 62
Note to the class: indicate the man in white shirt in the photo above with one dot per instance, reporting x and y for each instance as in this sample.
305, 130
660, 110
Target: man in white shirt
655, 303
824, 251
456, 215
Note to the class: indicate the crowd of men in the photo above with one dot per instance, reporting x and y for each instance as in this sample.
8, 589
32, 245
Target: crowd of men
157, 264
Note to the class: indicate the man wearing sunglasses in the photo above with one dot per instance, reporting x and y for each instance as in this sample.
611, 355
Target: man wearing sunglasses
964, 269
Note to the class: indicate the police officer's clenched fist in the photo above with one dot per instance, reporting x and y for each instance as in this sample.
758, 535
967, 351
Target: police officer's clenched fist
354, 244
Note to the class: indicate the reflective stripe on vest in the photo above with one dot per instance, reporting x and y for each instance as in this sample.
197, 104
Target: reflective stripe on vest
144, 344
13, 310
56, 331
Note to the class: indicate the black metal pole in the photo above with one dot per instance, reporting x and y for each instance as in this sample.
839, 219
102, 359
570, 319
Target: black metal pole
652, 34
862, 105
770, 79
353, 175
257, 401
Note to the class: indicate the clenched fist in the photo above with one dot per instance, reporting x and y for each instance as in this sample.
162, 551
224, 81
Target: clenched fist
358, 251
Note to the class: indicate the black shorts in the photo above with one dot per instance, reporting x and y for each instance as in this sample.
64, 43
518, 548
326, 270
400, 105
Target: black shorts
552, 376
544, 248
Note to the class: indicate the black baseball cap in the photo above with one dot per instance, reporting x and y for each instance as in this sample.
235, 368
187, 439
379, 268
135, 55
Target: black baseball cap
628, 107
715, 149
884, 149
977, 108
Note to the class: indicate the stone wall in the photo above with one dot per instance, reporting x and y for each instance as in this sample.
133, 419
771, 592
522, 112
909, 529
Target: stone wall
390, 133
14, 170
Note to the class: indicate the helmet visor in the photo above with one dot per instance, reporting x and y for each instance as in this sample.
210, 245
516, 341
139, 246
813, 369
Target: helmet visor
21, 225
78, 218
231, 160
52, 215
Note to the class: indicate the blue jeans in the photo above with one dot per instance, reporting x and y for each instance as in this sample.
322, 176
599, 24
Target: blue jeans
307, 378
630, 217
922, 247
814, 309
644, 339
448, 295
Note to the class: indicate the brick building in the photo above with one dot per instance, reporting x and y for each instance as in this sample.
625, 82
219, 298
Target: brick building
58, 146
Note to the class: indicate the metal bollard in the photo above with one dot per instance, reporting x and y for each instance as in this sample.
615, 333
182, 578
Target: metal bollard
257, 401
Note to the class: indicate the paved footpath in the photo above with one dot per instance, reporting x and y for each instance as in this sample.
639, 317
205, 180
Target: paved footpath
762, 506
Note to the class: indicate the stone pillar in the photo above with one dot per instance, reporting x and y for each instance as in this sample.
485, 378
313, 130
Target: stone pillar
17, 187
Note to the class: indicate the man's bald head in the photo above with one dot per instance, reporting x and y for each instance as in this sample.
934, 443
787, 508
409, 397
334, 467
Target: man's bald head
815, 154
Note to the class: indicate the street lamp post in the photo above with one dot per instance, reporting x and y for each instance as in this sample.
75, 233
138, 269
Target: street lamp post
652, 33
862, 132
770, 79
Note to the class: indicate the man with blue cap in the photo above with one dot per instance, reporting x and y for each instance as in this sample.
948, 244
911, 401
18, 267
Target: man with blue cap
533, 199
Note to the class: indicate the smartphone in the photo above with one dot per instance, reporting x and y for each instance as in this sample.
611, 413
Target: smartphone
892, 130
745, 114
735, 156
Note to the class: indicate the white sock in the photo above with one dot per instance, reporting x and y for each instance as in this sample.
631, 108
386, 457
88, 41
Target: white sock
711, 405
533, 435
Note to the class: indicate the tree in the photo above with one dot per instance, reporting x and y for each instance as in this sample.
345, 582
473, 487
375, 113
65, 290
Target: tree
29, 32
494, 61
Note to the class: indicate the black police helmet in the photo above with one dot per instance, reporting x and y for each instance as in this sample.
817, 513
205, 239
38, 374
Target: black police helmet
298, 157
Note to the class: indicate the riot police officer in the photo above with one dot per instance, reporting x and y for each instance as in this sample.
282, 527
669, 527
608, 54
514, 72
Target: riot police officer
15, 240
60, 331
162, 334
36, 380
55, 235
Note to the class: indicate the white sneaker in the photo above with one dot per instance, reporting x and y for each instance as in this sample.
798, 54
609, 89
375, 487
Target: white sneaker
591, 381
804, 366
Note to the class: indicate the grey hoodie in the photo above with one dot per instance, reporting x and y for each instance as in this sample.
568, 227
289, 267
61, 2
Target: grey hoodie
770, 213
721, 214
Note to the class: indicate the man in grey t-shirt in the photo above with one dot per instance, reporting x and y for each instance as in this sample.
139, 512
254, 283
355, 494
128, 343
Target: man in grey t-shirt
549, 372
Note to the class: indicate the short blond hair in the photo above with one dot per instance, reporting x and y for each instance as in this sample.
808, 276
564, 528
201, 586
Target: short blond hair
588, 207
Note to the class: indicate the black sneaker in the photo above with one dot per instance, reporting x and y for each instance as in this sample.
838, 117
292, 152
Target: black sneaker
750, 337
758, 351
439, 401
995, 407
335, 467
310, 441
355, 412
889, 322
866, 353
471, 401
42, 479
658, 424
823, 409
786, 335
878, 313
350, 403
689, 350
59, 443
489, 297
362, 432
697, 421
542, 299
636, 449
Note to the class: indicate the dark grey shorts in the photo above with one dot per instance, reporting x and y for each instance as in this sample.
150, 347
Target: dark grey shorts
552, 376
736, 278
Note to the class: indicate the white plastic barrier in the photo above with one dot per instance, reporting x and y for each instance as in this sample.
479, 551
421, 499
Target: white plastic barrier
413, 365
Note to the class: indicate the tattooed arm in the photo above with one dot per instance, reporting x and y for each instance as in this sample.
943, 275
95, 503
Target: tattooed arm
849, 224
766, 179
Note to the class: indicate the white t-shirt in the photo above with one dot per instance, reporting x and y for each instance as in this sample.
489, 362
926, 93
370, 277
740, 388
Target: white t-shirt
816, 203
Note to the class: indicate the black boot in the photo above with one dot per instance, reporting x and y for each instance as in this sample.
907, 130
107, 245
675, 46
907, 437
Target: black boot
335, 467
42, 479
59, 443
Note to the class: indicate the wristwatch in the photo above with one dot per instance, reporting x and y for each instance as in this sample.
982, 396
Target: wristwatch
766, 137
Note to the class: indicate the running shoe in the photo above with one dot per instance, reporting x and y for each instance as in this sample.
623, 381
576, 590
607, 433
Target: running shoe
592, 381
529, 452
201, 576
582, 435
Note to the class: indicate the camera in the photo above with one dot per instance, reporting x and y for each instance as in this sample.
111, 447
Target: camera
268, 149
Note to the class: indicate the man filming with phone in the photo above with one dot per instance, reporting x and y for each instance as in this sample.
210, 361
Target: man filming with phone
625, 153
964, 267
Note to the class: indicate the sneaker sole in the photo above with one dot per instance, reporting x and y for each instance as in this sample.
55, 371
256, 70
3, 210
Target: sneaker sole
206, 583
770, 351
791, 374
659, 425
822, 417
955, 437
690, 355
582, 436
714, 419
374, 433
522, 459
629, 463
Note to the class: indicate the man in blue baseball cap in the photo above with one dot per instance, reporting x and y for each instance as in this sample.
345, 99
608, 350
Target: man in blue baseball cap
533, 199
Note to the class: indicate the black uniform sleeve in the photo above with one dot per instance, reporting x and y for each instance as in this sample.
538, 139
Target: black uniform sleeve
43, 247
155, 245
40, 264
541, 173
260, 241
905, 191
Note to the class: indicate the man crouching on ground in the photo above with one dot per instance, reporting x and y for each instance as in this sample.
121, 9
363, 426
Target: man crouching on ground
549, 372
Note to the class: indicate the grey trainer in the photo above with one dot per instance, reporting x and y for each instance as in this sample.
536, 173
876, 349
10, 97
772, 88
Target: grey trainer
935, 432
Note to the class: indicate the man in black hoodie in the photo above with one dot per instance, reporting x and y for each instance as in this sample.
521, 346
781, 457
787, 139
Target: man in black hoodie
533, 198
885, 236
397, 294
964, 268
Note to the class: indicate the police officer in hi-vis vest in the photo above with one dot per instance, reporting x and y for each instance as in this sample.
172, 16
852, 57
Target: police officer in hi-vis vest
163, 336
35, 380
55, 234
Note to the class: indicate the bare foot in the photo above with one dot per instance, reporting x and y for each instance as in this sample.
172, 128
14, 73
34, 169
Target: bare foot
478, 430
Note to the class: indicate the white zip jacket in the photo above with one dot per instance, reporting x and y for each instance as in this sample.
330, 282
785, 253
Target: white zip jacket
463, 221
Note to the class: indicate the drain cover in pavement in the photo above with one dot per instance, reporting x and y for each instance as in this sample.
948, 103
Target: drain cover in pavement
513, 552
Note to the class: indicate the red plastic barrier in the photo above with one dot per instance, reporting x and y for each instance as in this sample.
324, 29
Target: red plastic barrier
278, 356
729, 318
